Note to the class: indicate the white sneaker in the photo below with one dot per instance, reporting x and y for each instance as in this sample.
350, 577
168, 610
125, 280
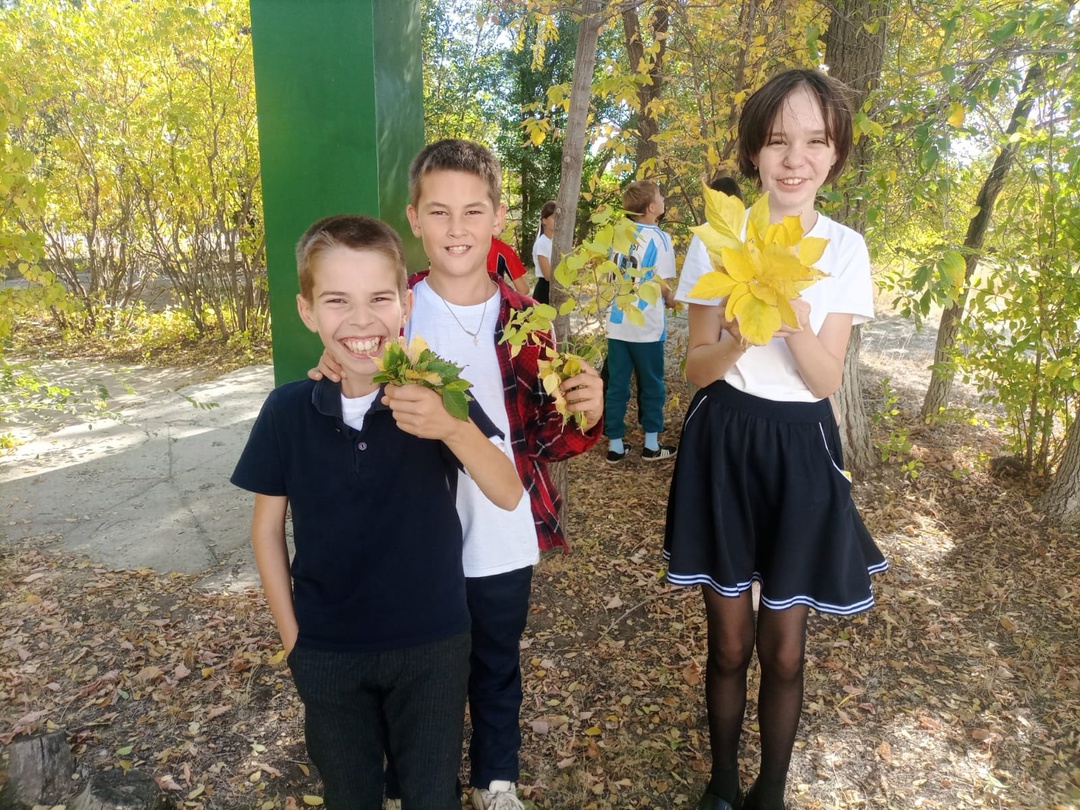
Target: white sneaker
500, 795
391, 804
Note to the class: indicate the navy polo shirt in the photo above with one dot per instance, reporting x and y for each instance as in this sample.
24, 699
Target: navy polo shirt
377, 534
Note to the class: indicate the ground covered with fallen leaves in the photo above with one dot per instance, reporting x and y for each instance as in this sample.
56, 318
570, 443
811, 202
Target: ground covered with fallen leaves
960, 689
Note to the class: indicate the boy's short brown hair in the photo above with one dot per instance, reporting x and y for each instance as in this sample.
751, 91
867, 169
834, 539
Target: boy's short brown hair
638, 196
352, 231
762, 108
455, 154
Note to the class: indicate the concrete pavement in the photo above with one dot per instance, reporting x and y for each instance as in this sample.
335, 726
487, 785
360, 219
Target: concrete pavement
148, 488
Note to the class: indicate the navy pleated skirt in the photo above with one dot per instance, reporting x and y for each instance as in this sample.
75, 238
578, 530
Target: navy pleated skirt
759, 492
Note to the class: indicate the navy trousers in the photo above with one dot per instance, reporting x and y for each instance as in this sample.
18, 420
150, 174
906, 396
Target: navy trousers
499, 606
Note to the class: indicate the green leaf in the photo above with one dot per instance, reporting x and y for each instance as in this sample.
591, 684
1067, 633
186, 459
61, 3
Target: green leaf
1001, 34
929, 158
953, 267
456, 403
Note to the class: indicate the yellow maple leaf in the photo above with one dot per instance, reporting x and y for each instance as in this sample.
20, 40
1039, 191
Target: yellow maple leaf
724, 213
761, 273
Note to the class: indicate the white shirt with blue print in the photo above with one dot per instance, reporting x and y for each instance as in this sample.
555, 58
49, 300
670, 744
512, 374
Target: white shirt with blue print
653, 253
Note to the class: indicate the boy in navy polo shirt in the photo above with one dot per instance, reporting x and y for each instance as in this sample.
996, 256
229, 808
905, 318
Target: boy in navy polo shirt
461, 310
374, 616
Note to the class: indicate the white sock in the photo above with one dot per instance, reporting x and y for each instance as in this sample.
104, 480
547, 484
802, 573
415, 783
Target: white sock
652, 441
616, 446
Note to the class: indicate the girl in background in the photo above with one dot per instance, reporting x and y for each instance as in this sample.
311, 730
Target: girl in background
542, 253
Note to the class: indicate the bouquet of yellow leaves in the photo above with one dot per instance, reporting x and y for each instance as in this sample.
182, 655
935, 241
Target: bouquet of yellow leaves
416, 364
758, 275
554, 368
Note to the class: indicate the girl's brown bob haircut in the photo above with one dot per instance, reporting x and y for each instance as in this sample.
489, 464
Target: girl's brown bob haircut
765, 105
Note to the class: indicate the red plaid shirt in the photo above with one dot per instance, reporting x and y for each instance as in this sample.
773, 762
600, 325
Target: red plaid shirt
537, 433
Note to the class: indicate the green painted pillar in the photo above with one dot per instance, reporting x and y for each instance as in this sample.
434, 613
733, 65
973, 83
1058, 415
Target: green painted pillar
340, 99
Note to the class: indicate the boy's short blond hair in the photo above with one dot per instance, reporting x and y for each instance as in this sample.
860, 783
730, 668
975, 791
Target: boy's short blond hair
455, 154
352, 231
638, 196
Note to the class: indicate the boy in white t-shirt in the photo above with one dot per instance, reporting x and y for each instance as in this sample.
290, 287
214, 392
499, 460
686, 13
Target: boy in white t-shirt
461, 311
638, 349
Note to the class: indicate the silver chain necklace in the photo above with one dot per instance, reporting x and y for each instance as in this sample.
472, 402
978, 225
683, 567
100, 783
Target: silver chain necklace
474, 335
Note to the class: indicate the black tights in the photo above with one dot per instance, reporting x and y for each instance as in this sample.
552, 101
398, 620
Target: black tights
781, 647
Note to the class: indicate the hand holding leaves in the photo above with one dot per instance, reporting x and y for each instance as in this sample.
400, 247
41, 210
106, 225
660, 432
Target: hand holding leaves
585, 392
416, 364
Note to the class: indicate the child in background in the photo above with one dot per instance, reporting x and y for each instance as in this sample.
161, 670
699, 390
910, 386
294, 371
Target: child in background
726, 185
504, 262
380, 668
638, 350
461, 311
759, 490
541, 253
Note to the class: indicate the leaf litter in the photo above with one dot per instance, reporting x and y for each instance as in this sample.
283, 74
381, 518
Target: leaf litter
960, 689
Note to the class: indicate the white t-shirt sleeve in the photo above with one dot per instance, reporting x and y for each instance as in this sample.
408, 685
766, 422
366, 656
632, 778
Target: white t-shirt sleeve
696, 264
852, 289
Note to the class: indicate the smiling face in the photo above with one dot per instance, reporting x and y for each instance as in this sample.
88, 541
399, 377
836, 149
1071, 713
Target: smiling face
796, 158
356, 307
455, 218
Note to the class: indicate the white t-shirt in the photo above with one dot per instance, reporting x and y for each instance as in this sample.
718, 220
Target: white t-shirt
354, 409
541, 247
653, 253
496, 540
769, 371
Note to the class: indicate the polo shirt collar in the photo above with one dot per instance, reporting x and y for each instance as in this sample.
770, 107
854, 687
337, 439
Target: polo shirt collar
326, 399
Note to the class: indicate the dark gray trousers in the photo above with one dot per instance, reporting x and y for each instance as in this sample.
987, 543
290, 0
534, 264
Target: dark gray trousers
408, 704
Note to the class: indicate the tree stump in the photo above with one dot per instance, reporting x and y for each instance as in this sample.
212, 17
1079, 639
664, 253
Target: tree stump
117, 790
39, 770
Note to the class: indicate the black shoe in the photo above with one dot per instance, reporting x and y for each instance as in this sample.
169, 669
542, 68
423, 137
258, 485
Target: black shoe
711, 802
748, 801
615, 458
662, 452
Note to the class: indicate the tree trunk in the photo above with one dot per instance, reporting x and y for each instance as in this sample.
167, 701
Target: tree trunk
851, 411
573, 159
854, 56
939, 391
1061, 500
648, 127
120, 790
39, 771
